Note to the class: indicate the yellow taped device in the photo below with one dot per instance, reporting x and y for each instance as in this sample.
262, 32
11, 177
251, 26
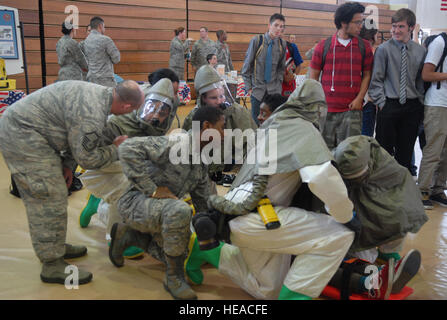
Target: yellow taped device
189, 201
5, 84
268, 214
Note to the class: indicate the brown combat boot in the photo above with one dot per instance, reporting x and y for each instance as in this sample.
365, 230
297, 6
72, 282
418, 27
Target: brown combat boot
175, 282
56, 272
123, 237
72, 252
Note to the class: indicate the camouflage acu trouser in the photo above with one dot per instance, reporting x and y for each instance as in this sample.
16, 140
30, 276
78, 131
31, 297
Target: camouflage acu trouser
180, 72
341, 125
44, 193
37, 171
167, 220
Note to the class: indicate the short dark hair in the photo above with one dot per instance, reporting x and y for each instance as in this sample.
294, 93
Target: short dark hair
159, 74
66, 30
209, 57
277, 16
204, 28
346, 12
368, 33
219, 33
95, 22
179, 30
209, 114
404, 14
273, 101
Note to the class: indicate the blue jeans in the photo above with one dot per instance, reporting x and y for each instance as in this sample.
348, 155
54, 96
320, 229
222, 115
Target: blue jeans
369, 119
255, 108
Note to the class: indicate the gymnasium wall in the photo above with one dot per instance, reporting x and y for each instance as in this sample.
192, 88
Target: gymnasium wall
143, 29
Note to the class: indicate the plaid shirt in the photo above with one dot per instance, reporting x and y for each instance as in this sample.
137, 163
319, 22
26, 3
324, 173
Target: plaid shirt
348, 73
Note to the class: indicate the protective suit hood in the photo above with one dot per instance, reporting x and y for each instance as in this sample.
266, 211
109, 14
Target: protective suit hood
304, 102
162, 91
298, 142
207, 78
352, 156
387, 200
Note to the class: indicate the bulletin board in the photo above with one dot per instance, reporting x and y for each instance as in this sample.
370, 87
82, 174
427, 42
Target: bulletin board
8, 35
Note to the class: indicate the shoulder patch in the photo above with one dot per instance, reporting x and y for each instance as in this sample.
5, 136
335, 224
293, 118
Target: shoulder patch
90, 141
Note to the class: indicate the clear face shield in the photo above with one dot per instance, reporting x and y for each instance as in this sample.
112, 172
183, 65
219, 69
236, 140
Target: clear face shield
217, 95
156, 110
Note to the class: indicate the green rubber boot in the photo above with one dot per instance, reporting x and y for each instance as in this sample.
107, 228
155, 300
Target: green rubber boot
197, 257
89, 210
287, 294
387, 256
72, 252
133, 252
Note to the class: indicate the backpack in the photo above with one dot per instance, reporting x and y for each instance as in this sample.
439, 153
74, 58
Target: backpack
440, 65
327, 46
260, 47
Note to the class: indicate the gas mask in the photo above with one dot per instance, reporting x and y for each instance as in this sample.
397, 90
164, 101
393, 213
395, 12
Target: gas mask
155, 111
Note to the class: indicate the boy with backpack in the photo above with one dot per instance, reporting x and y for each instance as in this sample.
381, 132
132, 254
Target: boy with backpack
264, 64
345, 62
433, 169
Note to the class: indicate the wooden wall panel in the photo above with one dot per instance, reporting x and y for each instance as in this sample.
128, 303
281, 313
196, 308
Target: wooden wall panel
143, 29
29, 15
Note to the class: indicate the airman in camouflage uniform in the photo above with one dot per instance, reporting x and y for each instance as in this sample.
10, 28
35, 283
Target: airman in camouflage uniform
43, 135
151, 206
201, 48
70, 57
223, 51
178, 49
209, 84
101, 53
109, 183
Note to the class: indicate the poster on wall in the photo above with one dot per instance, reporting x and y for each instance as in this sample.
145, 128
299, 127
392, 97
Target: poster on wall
8, 35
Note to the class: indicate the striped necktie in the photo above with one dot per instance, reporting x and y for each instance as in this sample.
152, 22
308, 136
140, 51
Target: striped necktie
403, 76
268, 63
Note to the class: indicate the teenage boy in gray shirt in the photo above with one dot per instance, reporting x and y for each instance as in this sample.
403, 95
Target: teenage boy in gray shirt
264, 64
397, 88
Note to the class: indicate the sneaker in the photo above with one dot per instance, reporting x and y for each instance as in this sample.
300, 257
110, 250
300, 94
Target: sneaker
382, 290
405, 269
428, 205
439, 198
228, 180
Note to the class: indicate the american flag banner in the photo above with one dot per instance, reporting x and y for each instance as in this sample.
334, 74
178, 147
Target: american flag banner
241, 92
7, 98
184, 92
443, 5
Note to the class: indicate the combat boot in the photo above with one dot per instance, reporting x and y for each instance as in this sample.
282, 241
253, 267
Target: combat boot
72, 252
175, 282
54, 272
123, 237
